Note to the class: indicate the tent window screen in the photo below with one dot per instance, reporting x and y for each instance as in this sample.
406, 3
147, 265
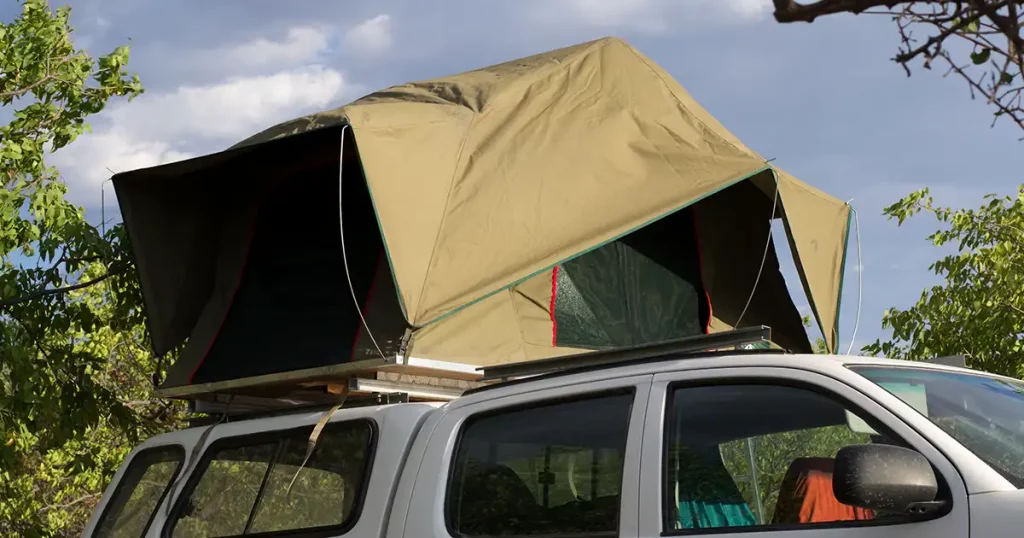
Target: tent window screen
643, 288
243, 485
551, 469
142, 488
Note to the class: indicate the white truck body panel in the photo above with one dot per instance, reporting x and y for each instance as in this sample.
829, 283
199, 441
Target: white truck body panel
409, 479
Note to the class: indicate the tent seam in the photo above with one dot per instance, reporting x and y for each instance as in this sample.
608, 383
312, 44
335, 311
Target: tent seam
679, 102
795, 253
444, 213
730, 183
519, 325
557, 65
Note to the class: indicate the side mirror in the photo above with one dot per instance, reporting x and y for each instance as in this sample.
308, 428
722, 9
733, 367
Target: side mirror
885, 478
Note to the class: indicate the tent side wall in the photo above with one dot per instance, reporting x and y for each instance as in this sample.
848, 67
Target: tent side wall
734, 230
818, 227
245, 253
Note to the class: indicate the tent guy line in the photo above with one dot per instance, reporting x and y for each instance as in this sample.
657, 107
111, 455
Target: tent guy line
768, 243
344, 254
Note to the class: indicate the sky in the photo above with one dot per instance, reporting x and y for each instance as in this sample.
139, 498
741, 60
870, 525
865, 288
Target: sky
823, 99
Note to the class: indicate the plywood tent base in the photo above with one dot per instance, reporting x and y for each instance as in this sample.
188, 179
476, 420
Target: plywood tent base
322, 384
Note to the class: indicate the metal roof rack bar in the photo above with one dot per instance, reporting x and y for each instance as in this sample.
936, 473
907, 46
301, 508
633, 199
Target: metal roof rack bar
412, 390
614, 357
960, 361
247, 408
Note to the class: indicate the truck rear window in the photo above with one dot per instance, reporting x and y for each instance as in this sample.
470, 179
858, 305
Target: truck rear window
241, 486
141, 489
553, 468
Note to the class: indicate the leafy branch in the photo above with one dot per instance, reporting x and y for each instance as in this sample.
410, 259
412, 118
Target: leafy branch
39, 294
978, 309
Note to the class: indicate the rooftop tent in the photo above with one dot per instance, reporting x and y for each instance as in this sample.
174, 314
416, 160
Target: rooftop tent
578, 199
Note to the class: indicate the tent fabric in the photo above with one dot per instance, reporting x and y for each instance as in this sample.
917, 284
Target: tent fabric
476, 187
525, 164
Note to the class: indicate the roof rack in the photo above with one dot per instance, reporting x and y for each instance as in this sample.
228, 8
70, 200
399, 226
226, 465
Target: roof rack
359, 392
249, 408
616, 357
960, 361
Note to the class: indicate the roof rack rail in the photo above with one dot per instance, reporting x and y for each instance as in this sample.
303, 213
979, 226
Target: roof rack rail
960, 361
615, 357
248, 408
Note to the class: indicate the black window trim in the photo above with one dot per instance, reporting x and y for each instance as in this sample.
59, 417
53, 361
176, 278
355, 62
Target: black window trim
630, 390
274, 435
177, 450
879, 427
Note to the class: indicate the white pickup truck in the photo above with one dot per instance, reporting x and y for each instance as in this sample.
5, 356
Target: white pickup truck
724, 444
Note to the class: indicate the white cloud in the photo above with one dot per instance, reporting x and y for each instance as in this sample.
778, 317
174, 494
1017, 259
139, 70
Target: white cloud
91, 159
745, 9
612, 12
157, 128
371, 36
231, 109
651, 16
299, 46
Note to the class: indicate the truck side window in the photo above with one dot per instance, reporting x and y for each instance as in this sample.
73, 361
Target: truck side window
243, 484
140, 491
551, 468
756, 455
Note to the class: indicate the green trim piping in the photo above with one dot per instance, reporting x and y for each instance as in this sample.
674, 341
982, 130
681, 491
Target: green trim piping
599, 245
376, 214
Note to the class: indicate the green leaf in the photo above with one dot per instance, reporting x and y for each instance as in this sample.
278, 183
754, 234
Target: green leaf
978, 309
68, 360
981, 56
1005, 78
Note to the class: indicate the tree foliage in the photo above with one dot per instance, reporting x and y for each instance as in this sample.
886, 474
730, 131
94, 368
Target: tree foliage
74, 367
978, 309
979, 41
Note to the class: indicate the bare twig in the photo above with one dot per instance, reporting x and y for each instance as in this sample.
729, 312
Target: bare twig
793, 11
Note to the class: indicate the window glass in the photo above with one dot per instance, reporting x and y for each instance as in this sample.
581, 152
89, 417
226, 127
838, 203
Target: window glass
140, 491
550, 469
753, 455
984, 413
244, 487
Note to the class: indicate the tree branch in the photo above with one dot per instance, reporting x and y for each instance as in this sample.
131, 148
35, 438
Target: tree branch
793, 11
56, 291
937, 39
992, 28
69, 504
4, 96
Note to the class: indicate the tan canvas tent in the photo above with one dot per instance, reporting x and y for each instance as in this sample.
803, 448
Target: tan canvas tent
576, 199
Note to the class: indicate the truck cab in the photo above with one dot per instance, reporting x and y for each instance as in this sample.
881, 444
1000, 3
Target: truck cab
723, 444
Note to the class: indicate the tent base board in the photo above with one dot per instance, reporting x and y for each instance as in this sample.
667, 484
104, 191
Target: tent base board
287, 385
212, 408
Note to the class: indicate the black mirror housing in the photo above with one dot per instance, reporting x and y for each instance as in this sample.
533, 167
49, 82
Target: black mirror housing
883, 478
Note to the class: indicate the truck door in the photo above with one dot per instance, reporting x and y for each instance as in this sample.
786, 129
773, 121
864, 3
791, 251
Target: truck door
742, 451
556, 461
